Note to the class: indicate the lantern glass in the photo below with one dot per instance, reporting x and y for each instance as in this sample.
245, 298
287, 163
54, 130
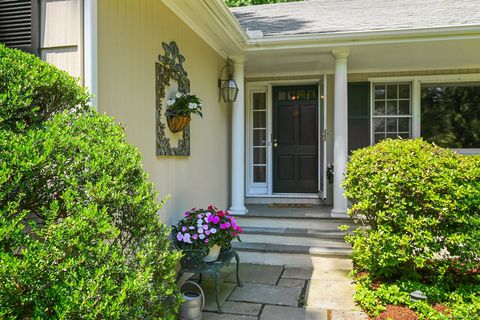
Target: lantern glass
229, 90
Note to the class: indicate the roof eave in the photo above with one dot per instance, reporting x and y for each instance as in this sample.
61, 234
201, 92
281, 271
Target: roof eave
213, 22
362, 38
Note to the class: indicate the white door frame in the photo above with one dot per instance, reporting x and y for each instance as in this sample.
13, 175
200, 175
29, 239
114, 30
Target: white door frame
266, 189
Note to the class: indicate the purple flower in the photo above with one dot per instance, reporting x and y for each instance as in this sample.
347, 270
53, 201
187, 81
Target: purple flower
227, 225
216, 219
200, 216
184, 229
234, 225
205, 227
207, 232
179, 236
206, 240
186, 238
201, 236
195, 236
210, 218
222, 226
186, 213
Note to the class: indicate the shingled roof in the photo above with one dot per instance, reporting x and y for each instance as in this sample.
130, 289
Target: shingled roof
335, 16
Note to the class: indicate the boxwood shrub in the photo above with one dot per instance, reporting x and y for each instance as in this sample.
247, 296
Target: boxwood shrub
79, 233
421, 208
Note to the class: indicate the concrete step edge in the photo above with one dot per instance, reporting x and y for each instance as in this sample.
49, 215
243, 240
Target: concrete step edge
292, 249
296, 232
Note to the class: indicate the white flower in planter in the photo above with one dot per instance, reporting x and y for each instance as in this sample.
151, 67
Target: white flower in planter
192, 106
178, 95
170, 102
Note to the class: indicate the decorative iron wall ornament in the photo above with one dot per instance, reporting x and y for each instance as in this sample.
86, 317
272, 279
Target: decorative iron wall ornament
170, 66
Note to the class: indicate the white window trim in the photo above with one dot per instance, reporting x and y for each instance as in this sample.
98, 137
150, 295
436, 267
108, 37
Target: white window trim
417, 82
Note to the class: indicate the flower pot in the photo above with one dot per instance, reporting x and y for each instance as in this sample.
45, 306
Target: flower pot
213, 254
177, 123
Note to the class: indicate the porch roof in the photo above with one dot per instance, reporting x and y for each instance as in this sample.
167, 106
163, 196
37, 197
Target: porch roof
340, 16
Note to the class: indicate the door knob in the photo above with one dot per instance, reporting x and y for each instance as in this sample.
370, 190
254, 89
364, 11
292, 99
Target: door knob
275, 144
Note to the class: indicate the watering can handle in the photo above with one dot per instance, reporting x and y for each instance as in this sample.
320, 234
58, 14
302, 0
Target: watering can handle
199, 288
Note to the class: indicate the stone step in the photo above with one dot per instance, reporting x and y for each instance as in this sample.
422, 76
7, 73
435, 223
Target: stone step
294, 236
294, 255
319, 223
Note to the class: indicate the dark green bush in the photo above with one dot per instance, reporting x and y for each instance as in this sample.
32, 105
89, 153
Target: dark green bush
79, 233
421, 208
421, 203
31, 90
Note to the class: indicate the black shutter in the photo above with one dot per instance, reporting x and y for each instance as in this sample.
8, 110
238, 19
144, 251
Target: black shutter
358, 115
20, 24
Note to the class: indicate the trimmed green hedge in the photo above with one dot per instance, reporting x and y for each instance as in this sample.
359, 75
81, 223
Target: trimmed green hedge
79, 233
421, 205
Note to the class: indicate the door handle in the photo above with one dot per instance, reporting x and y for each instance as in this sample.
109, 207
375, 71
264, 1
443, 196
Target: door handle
275, 144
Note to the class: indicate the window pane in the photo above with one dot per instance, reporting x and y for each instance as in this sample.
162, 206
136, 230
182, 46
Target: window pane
404, 91
392, 125
392, 91
310, 95
404, 124
379, 124
379, 91
282, 95
259, 119
404, 107
379, 137
292, 95
259, 99
379, 107
259, 155
259, 174
450, 115
259, 138
301, 95
391, 107
391, 136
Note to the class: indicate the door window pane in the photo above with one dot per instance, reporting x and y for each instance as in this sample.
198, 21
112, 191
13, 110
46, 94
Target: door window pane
259, 174
259, 137
259, 156
259, 119
450, 114
259, 101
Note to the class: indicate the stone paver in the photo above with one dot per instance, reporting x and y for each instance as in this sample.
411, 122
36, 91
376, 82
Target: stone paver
244, 308
292, 313
348, 315
226, 316
291, 283
297, 273
255, 273
331, 294
266, 294
208, 287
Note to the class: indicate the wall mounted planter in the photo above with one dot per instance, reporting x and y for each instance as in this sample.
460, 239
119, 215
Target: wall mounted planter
177, 123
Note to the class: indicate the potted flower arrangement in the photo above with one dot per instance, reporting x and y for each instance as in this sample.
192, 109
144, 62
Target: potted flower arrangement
208, 229
179, 110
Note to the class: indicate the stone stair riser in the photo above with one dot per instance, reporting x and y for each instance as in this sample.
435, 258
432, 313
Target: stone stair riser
294, 240
322, 224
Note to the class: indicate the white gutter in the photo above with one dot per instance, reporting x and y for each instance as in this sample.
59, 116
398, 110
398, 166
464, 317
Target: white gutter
362, 37
90, 49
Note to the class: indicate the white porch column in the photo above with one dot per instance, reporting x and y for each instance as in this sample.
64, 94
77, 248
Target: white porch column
90, 49
340, 147
238, 140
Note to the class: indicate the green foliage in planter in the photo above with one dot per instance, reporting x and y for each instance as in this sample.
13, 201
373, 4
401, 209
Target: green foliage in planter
79, 233
421, 204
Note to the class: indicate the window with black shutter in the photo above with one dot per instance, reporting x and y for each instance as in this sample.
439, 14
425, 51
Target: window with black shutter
358, 115
20, 24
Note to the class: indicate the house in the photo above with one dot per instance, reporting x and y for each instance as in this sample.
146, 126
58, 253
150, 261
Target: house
317, 79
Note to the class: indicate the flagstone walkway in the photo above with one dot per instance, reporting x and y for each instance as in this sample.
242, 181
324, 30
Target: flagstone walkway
283, 293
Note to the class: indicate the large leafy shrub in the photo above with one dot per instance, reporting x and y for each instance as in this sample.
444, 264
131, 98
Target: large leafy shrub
421, 208
79, 233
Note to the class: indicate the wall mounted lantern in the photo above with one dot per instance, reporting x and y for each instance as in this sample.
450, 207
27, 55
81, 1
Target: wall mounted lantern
228, 87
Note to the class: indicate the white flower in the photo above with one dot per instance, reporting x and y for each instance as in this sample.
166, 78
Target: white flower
170, 102
192, 106
178, 95
201, 236
213, 230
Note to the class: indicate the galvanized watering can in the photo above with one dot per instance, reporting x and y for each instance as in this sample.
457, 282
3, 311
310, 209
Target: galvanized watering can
193, 304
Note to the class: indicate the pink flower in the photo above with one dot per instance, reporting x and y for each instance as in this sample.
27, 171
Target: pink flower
221, 214
222, 226
211, 207
210, 218
239, 229
207, 232
206, 240
205, 227
186, 213
184, 229
195, 236
216, 219
234, 225
227, 225
200, 216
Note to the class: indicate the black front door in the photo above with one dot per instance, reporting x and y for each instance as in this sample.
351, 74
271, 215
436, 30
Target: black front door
295, 139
